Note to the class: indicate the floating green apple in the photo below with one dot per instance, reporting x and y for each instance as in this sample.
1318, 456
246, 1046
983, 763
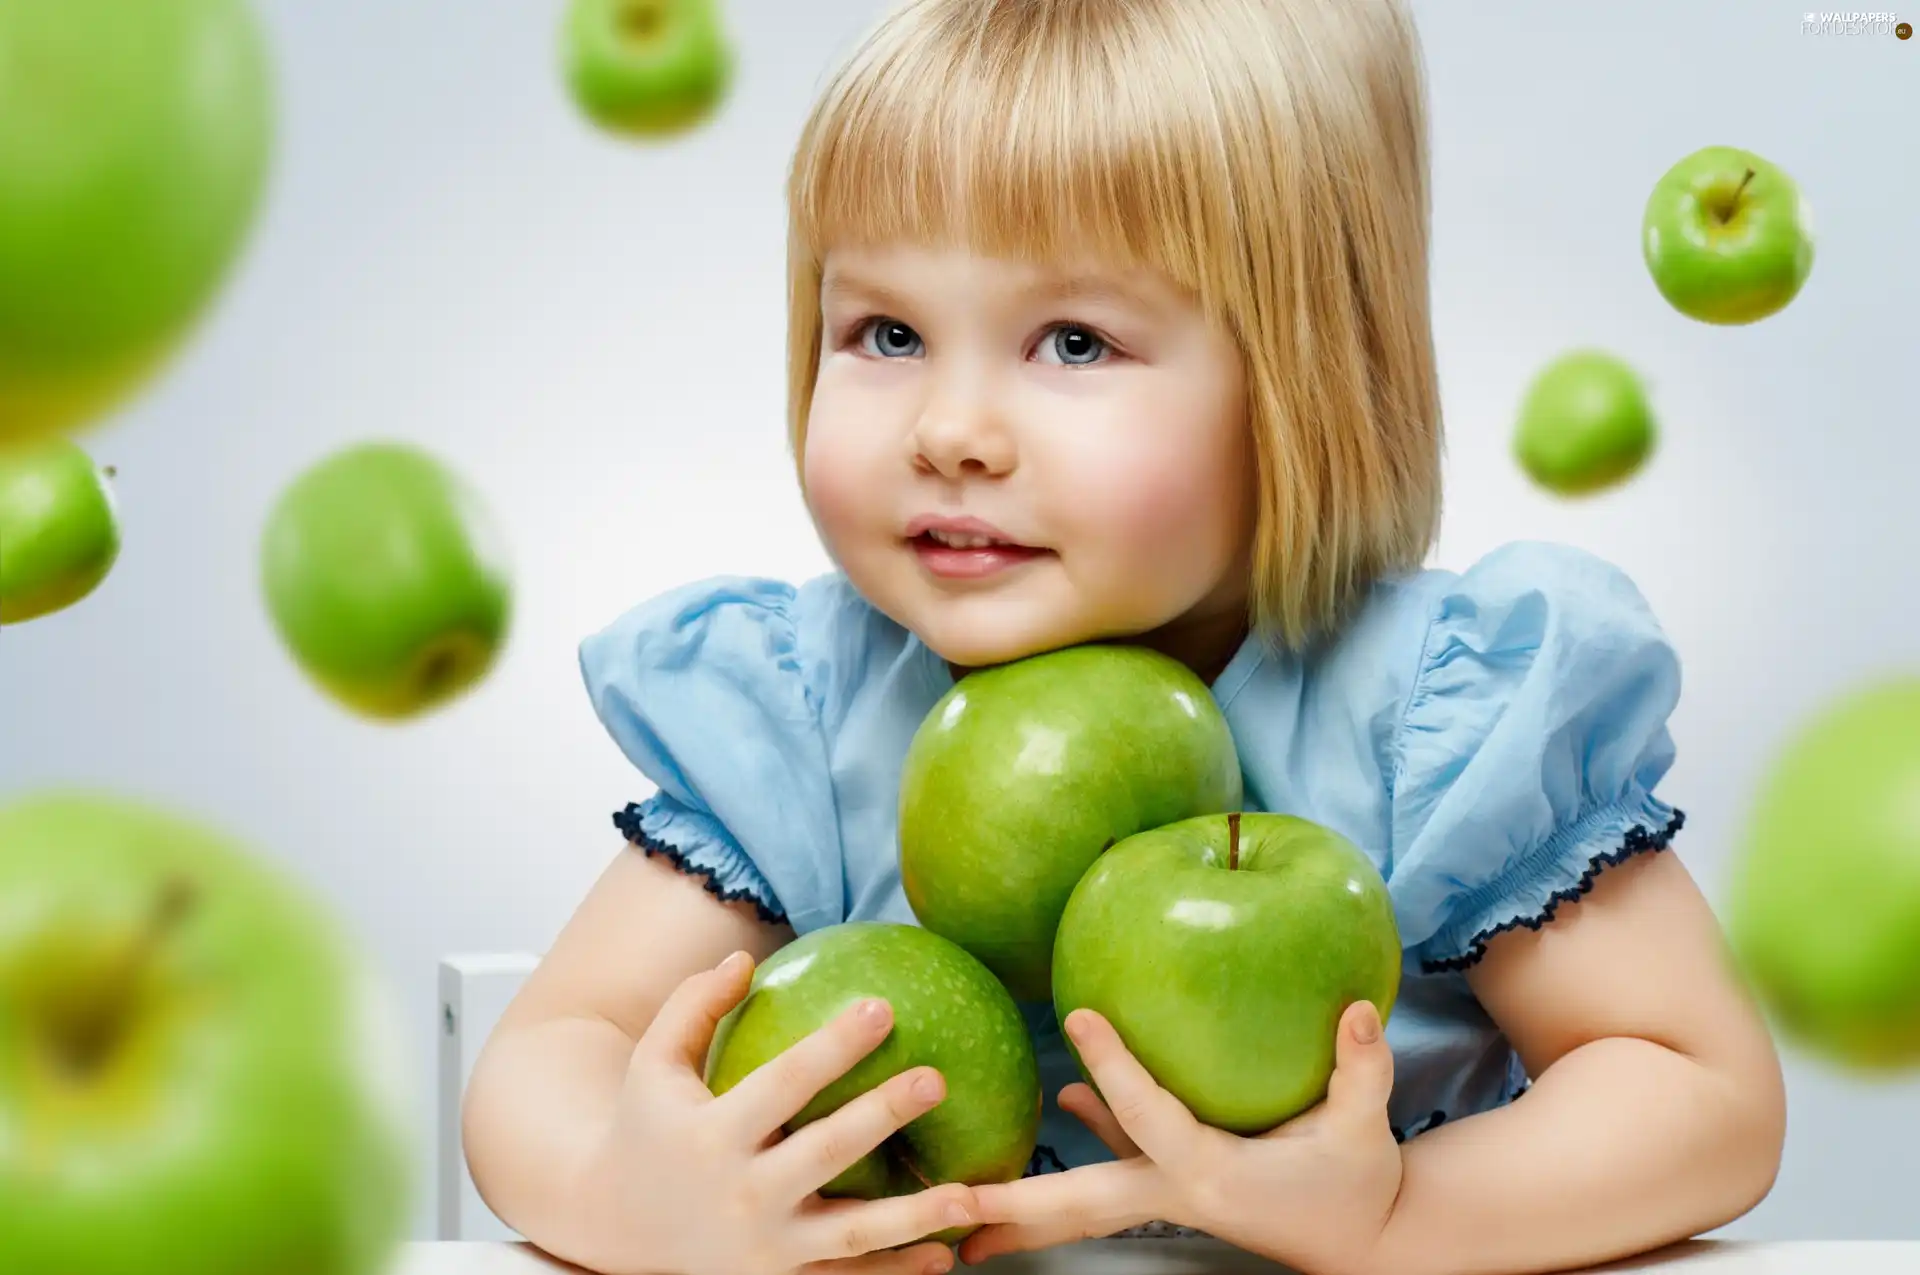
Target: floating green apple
134, 145
1023, 773
197, 1071
1824, 913
1727, 236
59, 532
647, 68
1584, 424
949, 1013
384, 576
1224, 950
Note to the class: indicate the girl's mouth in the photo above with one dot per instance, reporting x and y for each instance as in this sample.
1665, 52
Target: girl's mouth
970, 557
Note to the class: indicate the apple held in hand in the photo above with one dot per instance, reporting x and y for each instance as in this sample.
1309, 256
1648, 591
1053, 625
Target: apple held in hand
1224, 950
647, 68
1023, 773
1727, 236
383, 575
1824, 914
134, 145
196, 1072
949, 1013
1584, 424
59, 532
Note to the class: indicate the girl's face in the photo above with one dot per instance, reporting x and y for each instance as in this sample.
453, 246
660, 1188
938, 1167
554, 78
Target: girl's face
1093, 421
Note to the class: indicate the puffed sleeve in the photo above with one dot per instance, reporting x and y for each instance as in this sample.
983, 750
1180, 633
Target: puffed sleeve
1530, 747
704, 690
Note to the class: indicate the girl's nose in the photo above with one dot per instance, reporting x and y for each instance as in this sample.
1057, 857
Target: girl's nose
958, 438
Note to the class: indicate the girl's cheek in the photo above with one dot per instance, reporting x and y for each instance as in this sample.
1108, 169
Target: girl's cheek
833, 485
1146, 504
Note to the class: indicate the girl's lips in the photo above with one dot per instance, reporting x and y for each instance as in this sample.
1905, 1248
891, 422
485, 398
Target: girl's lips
971, 564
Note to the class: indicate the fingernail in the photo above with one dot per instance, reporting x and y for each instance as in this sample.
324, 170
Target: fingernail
957, 1215
733, 964
926, 1086
940, 1265
1076, 1026
1366, 1029
874, 1011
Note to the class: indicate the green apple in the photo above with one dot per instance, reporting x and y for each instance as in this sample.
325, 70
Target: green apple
383, 574
1024, 772
134, 146
1584, 424
59, 532
1727, 236
198, 1073
1824, 912
647, 68
1224, 949
949, 1013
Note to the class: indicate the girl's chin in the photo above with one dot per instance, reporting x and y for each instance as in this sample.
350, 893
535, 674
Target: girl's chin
973, 649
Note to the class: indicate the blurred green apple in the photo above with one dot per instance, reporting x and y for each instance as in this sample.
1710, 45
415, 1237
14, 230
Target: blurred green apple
1224, 949
59, 531
1584, 424
1023, 773
949, 1013
198, 1073
134, 146
647, 68
384, 577
1727, 236
1824, 913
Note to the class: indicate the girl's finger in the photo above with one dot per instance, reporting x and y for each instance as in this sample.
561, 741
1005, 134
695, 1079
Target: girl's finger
916, 1259
1157, 1122
1082, 1102
1058, 1208
683, 1027
1362, 1080
776, 1091
832, 1233
811, 1157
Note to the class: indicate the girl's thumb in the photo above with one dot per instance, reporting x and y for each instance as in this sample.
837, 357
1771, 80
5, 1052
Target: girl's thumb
683, 1029
1363, 1064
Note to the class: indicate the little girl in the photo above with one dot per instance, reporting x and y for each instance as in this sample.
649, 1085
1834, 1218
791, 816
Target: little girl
1110, 323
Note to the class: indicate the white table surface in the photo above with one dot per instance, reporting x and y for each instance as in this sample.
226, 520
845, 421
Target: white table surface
1206, 1257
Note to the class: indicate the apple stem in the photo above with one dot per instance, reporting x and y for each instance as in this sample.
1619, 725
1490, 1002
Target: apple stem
94, 1032
906, 1162
1233, 842
642, 19
1724, 213
111, 471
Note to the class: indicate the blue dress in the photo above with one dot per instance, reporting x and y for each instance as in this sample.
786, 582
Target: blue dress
1491, 738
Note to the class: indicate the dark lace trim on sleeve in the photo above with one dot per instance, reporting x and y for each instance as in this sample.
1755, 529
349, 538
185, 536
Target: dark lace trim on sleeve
1160, 1231
1638, 841
628, 822
1427, 1123
1044, 1160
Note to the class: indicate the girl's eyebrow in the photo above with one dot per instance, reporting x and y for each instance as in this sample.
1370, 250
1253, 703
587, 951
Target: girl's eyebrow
1049, 287
1091, 287
842, 284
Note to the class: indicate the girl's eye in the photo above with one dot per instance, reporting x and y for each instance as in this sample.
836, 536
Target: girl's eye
1069, 343
892, 338
1075, 345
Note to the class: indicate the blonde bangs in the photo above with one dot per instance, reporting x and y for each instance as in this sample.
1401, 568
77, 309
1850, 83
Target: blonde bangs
1021, 131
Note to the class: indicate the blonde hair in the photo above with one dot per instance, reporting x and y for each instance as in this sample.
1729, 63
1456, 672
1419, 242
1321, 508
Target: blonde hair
1267, 155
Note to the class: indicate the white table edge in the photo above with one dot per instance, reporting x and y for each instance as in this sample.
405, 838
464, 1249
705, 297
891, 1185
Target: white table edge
1208, 1257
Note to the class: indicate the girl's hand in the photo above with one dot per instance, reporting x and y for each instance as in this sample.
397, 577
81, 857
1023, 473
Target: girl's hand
690, 1184
1314, 1193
